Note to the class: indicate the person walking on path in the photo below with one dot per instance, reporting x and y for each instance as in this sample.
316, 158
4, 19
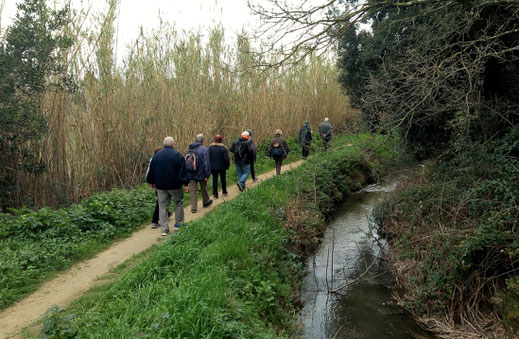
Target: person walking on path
325, 130
253, 157
305, 139
278, 150
220, 162
198, 167
242, 151
155, 218
167, 174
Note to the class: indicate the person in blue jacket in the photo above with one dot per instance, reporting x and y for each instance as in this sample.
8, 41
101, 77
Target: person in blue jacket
199, 173
167, 174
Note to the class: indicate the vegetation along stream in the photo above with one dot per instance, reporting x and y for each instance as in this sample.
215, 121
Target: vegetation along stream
347, 289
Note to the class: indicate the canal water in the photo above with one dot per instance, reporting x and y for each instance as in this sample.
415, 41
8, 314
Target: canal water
350, 261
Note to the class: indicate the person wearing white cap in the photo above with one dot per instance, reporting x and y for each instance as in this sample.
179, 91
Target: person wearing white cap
242, 151
325, 131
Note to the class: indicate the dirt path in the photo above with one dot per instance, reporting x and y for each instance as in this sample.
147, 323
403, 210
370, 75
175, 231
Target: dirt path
71, 284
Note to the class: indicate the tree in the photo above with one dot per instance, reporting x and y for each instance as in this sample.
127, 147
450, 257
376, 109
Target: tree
430, 69
29, 56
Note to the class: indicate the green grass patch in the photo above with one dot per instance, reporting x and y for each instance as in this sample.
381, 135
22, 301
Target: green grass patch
234, 272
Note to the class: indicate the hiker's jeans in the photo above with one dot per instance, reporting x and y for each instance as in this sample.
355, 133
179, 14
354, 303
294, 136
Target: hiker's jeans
165, 197
243, 173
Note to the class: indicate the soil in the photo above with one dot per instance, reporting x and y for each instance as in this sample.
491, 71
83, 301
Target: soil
71, 284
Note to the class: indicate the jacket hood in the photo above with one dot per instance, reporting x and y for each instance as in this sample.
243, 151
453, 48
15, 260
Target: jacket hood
217, 144
195, 145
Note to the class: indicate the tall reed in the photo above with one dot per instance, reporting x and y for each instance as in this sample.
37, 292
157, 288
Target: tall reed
102, 133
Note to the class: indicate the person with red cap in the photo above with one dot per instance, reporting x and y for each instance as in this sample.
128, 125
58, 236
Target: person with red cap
220, 162
242, 151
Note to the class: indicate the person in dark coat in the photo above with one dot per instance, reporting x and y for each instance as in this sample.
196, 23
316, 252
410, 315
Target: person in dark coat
325, 130
305, 139
220, 162
167, 174
278, 150
242, 151
253, 156
201, 173
155, 218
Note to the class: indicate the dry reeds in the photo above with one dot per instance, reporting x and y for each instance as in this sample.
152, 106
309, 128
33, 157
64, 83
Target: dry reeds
102, 133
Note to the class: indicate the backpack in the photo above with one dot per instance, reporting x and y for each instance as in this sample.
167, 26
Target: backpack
191, 159
240, 149
277, 151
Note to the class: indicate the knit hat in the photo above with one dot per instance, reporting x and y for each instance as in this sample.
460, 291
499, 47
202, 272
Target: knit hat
245, 135
305, 123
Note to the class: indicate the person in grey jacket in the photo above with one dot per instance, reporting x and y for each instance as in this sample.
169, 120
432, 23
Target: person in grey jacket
201, 173
220, 162
325, 130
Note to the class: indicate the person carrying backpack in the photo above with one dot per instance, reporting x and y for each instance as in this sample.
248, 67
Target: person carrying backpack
219, 156
278, 150
198, 166
305, 139
242, 151
325, 130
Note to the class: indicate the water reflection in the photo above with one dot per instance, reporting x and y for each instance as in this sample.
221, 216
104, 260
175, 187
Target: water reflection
363, 307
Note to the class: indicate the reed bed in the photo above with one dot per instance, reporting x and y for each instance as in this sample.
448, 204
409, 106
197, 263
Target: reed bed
104, 125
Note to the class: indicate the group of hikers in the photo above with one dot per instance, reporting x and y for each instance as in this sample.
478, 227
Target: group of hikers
169, 171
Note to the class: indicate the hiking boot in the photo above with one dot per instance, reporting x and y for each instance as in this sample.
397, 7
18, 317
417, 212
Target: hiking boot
224, 194
193, 211
215, 196
169, 215
208, 203
255, 179
240, 187
154, 225
165, 233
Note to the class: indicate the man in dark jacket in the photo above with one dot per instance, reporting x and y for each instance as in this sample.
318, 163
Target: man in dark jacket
167, 174
253, 156
242, 150
201, 173
305, 139
219, 156
325, 130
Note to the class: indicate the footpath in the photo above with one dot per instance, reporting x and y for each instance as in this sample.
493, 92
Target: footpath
68, 286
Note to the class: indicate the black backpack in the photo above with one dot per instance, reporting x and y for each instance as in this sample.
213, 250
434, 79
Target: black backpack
241, 149
277, 151
191, 159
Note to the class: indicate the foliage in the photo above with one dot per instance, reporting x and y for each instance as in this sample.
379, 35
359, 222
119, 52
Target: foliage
233, 272
35, 244
454, 233
436, 71
29, 55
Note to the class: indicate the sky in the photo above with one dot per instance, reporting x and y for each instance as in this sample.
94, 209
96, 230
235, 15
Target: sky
189, 15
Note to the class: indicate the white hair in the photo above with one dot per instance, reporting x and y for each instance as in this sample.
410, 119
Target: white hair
199, 137
326, 119
168, 141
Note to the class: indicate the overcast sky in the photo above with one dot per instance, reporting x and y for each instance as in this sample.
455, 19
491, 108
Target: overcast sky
184, 14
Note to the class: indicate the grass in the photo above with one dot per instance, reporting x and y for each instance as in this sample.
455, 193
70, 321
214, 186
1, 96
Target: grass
35, 245
234, 272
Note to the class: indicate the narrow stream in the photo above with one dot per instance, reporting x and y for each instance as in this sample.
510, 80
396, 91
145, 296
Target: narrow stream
363, 308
